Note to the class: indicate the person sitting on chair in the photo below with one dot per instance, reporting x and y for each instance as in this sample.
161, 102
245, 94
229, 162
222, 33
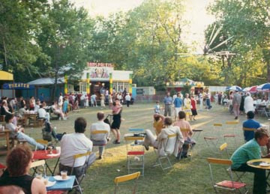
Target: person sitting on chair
17, 173
76, 143
100, 139
158, 123
160, 141
183, 124
252, 150
250, 123
18, 132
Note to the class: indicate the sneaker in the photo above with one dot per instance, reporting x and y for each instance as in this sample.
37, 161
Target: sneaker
146, 147
117, 142
100, 157
59, 118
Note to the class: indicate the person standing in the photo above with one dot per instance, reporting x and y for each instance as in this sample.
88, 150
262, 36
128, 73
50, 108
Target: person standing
116, 111
200, 95
100, 139
187, 106
252, 150
249, 103
168, 104
193, 108
60, 100
128, 98
178, 104
236, 104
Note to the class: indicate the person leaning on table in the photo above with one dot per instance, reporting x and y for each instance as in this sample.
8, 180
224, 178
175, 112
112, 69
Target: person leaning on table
249, 151
18, 164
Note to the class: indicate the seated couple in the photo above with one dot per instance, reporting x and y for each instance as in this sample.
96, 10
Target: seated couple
185, 131
160, 142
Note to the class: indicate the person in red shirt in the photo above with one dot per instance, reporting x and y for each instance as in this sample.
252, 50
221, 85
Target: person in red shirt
193, 108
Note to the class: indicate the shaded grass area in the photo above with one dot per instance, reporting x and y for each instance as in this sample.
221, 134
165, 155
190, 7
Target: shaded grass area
186, 176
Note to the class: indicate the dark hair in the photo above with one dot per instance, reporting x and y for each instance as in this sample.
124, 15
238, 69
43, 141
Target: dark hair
250, 114
8, 117
100, 115
80, 125
168, 121
156, 117
260, 133
18, 160
181, 115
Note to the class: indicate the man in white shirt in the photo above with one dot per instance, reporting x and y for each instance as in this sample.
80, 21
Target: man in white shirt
127, 98
42, 114
100, 139
76, 143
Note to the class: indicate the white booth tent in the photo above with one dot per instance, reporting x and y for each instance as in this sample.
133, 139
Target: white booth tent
46, 81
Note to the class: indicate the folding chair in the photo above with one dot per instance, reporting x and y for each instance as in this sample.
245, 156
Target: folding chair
212, 141
197, 133
105, 133
78, 180
36, 164
135, 153
125, 178
168, 150
228, 185
233, 126
223, 148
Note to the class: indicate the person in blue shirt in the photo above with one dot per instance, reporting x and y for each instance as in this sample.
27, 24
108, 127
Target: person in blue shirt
178, 104
168, 105
249, 151
251, 124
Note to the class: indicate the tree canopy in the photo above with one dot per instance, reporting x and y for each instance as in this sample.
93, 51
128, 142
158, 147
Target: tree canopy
43, 38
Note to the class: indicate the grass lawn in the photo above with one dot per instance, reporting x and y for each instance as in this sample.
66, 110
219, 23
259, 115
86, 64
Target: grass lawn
186, 176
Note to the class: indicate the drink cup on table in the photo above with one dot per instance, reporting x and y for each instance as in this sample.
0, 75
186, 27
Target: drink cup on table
50, 149
64, 174
46, 180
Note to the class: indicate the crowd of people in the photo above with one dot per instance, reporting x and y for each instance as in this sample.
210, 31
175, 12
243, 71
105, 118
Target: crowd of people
185, 108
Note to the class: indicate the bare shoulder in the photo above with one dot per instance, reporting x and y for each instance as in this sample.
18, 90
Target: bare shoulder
38, 186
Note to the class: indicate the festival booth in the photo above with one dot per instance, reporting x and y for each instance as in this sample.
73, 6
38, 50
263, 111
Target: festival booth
6, 76
44, 86
102, 76
179, 85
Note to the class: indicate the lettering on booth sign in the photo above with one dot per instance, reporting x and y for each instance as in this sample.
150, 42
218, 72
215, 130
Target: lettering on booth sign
99, 64
17, 86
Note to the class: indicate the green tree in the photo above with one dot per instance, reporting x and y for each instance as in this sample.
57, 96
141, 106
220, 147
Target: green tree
19, 22
65, 35
249, 24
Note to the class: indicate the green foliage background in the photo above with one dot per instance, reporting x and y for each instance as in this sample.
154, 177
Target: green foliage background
40, 38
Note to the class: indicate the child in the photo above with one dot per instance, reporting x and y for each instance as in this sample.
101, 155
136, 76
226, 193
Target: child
157, 108
193, 108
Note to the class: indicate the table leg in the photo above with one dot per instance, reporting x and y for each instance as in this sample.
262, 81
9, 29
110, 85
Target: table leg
56, 165
48, 167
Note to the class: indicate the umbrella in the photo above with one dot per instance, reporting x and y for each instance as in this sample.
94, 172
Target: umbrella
246, 89
253, 89
265, 86
235, 88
